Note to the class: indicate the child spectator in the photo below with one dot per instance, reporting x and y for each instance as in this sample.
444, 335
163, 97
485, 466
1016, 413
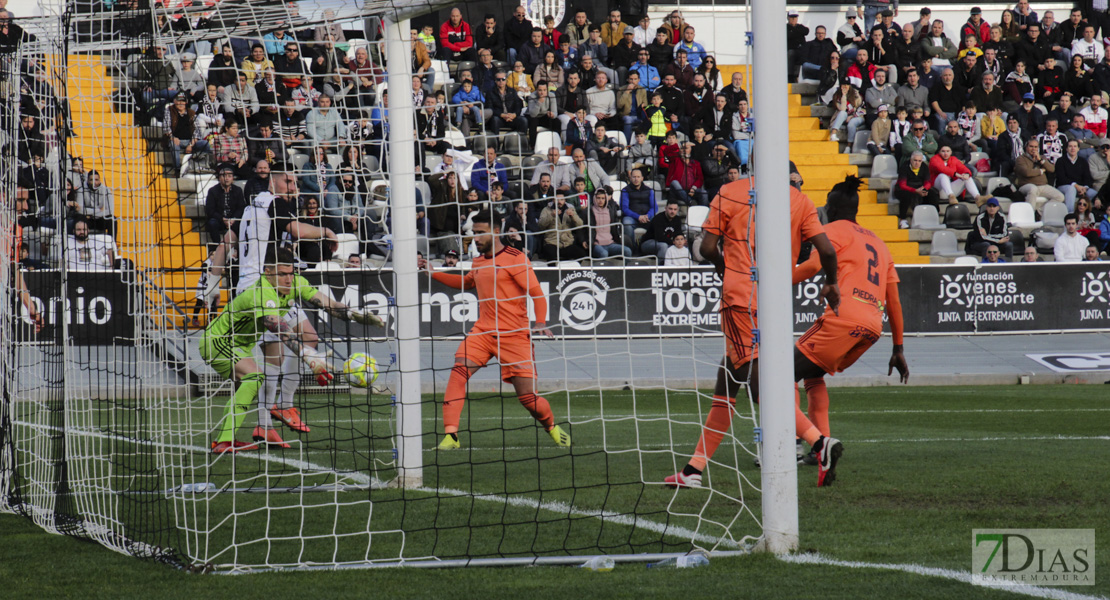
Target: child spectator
678, 255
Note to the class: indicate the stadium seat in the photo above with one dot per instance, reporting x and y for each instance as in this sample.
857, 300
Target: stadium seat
464, 265
514, 143
944, 244
618, 137
885, 166
695, 216
348, 244
1022, 215
528, 166
859, 145
443, 75
425, 192
1053, 214
925, 216
335, 161
371, 164
546, 140
449, 91
299, 161
966, 260
958, 216
978, 156
993, 183
617, 186
431, 161
1042, 108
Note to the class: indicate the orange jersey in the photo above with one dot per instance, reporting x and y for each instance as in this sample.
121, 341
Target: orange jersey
732, 219
504, 282
864, 268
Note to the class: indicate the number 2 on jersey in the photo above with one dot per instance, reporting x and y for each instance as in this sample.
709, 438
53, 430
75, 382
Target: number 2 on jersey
872, 264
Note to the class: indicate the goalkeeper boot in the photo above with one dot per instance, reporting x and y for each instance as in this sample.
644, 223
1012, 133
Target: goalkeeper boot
291, 417
827, 456
269, 437
232, 447
450, 442
680, 481
562, 438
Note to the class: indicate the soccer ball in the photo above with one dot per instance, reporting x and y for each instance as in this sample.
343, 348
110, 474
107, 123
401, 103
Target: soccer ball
361, 370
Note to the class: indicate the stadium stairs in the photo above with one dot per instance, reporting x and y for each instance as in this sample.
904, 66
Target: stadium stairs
152, 229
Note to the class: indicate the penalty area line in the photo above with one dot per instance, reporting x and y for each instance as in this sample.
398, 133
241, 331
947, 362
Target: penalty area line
961, 576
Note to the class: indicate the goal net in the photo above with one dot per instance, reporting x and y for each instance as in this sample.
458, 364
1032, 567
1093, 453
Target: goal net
114, 226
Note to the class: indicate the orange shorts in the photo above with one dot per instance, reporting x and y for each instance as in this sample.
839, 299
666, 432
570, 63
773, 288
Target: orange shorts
834, 344
737, 323
513, 350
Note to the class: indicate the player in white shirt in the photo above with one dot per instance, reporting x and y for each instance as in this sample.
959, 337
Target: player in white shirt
1070, 246
1089, 48
89, 253
270, 218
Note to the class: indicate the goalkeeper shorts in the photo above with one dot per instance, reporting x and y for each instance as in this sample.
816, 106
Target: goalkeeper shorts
222, 356
835, 344
292, 318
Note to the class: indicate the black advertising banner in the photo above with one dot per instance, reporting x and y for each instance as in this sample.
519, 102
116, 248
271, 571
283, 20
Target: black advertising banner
96, 309
663, 301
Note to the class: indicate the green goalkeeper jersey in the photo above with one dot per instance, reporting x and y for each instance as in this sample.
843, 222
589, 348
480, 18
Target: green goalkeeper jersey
240, 323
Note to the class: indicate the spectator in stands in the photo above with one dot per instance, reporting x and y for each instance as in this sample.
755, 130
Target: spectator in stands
1099, 165
624, 54
594, 46
605, 229
661, 231
695, 52
661, 50
631, 103
351, 211
881, 53
850, 37
570, 99
644, 34
612, 31
258, 183
291, 67
682, 70
648, 75
543, 111
85, 253
508, 110
899, 130
715, 168
918, 141
1073, 176
550, 166
431, 127
914, 186
324, 125
912, 93
531, 54
1070, 246
456, 42
563, 232
1095, 116
291, 126
589, 170
685, 180
265, 146
518, 227
954, 138
1050, 82
221, 71
179, 126
487, 170
1077, 80
364, 74
990, 231
1085, 137
578, 30
1009, 147
256, 64
1092, 254
967, 72
990, 63
938, 47
861, 73
1032, 171
231, 148
1030, 255
549, 71
951, 177
319, 181
795, 36
991, 256
158, 78
987, 96
518, 30
907, 51
697, 100
673, 100
542, 193
741, 134
490, 37
946, 99
1064, 112
638, 205
880, 94
605, 150
879, 142
602, 103
223, 206
1031, 119
849, 109
1018, 85
445, 213
468, 112
240, 101
1052, 141
674, 25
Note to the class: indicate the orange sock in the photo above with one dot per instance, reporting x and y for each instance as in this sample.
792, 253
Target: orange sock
455, 398
716, 425
817, 395
540, 409
803, 427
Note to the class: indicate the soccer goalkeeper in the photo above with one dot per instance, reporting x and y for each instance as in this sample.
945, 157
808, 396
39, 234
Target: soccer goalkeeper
228, 341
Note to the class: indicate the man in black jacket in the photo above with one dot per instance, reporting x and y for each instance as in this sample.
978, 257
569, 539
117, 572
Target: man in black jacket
662, 52
1034, 49
661, 231
508, 110
224, 205
795, 36
954, 139
1011, 144
714, 169
814, 54
490, 37
990, 230
517, 32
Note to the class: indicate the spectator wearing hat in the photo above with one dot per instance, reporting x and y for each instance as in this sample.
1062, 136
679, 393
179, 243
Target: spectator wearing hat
850, 36
451, 258
223, 205
1029, 116
795, 36
624, 54
990, 231
887, 26
815, 53
879, 142
1010, 146
869, 9
976, 26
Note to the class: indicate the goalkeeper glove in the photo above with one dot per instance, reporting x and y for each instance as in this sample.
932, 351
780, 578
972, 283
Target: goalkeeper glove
366, 318
317, 364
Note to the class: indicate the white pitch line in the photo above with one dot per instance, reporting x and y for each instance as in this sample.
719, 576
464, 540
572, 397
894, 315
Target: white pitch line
961, 576
556, 507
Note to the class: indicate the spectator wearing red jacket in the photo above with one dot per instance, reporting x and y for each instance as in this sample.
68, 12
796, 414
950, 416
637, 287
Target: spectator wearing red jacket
861, 73
976, 26
685, 180
456, 42
951, 177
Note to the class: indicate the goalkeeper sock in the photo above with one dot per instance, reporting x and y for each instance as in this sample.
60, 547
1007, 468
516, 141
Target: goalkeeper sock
455, 398
802, 425
237, 406
540, 409
716, 424
290, 380
817, 397
268, 396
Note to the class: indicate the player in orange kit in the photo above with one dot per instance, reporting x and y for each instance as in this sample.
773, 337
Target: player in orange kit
504, 280
731, 221
837, 340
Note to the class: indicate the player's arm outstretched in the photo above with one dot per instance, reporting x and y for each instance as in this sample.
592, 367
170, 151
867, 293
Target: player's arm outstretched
897, 328
451, 280
342, 311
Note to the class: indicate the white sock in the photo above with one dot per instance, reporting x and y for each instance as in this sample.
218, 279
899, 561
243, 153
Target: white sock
290, 379
268, 394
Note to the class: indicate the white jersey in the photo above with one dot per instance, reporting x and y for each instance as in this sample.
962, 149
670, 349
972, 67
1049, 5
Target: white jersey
255, 230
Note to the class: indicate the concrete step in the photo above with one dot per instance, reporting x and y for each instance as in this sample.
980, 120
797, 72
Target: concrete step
803, 88
816, 146
808, 135
820, 159
804, 124
818, 172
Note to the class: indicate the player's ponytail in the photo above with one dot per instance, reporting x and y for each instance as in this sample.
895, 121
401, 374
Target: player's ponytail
843, 201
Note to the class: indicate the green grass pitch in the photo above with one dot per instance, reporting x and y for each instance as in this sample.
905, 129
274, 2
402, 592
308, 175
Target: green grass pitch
922, 468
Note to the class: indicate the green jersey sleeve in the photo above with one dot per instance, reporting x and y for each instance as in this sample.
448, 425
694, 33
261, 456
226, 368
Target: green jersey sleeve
301, 290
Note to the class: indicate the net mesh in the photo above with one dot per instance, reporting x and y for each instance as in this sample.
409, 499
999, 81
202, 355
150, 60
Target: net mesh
109, 413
